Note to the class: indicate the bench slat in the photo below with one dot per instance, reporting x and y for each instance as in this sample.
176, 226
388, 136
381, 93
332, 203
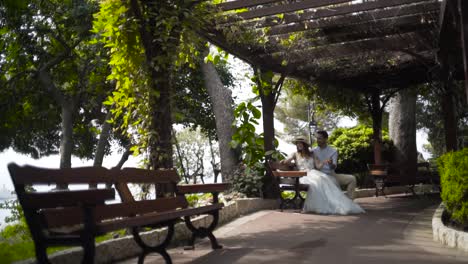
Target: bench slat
136, 175
74, 215
291, 174
66, 198
153, 218
33, 175
85, 175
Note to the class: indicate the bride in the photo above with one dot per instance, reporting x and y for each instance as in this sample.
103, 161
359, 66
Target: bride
324, 195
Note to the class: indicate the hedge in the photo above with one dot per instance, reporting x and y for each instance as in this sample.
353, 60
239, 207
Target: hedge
453, 171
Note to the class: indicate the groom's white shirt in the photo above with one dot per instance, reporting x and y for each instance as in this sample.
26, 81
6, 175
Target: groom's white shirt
324, 154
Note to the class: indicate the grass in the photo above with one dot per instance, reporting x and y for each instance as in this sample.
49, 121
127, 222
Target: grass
16, 249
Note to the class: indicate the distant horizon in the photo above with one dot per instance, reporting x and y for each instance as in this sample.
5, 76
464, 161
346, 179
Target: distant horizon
241, 71
53, 161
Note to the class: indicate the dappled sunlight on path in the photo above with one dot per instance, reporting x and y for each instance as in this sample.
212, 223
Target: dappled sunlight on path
397, 228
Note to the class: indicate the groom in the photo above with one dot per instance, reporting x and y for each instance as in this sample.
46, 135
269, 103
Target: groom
329, 156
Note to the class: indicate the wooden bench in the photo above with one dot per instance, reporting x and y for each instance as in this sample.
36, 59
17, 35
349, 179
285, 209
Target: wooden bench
76, 217
288, 180
386, 175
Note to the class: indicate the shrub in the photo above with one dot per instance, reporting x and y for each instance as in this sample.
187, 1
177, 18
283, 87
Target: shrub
355, 148
453, 170
249, 180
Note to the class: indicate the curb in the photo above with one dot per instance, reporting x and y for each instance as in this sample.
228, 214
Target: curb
445, 235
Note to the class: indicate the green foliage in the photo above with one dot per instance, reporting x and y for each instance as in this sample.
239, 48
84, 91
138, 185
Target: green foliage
14, 251
430, 116
119, 33
154, 49
453, 170
16, 212
355, 148
198, 199
296, 109
15, 240
249, 178
47, 63
245, 136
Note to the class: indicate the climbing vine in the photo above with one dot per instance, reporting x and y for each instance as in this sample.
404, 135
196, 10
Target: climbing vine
147, 43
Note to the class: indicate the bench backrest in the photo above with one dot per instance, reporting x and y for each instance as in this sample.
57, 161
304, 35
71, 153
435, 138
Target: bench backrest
63, 208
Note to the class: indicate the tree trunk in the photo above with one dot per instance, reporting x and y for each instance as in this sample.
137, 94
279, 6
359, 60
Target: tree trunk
67, 106
66, 139
376, 126
221, 99
181, 161
101, 145
103, 140
161, 122
270, 184
402, 126
123, 158
160, 98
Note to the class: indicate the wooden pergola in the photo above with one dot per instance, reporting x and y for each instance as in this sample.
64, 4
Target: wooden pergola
348, 43
365, 45
360, 44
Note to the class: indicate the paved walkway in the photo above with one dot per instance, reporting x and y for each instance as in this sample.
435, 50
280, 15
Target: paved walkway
394, 230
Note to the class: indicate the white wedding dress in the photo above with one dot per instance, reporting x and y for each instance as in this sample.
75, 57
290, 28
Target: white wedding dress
324, 195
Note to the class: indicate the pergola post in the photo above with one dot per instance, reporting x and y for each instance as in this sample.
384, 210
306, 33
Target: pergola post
448, 35
463, 12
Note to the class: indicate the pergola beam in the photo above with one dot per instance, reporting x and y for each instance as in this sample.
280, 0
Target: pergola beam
286, 8
396, 42
394, 14
323, 40
365, 11
226, 6
247, 53
308, 15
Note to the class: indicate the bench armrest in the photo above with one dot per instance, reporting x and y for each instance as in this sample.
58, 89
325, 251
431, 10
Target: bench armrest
202, 188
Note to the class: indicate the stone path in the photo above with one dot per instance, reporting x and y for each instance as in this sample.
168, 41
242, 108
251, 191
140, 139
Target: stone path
394, 230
